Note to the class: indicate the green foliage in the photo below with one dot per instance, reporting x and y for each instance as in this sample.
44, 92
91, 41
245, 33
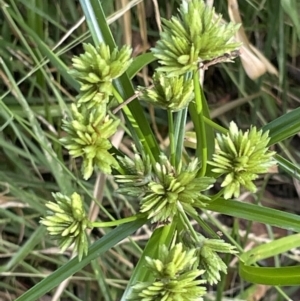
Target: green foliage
166, 182
270, 275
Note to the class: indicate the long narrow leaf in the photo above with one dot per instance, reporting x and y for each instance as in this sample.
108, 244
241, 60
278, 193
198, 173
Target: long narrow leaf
139, 63
256, 213
284, 126
270, 276
292, 169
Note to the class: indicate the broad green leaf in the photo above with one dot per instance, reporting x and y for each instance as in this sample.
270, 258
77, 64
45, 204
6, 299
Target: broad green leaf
271, 276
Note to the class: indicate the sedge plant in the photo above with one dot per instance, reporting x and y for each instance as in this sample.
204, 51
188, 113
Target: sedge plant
170, 187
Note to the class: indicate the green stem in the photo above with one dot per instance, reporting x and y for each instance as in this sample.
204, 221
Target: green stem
185, 220
217, 195
179, 131
205, 226
135, 126
118, 222
221, 284
215, 126
201, 149
171, 137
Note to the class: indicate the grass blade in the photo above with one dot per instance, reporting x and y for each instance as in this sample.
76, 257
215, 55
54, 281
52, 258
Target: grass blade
284, 126
30, 244
270, 276
53, 163
256, 213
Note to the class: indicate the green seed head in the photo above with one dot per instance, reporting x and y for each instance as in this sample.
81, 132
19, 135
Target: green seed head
194, 36
241, 157
67, 221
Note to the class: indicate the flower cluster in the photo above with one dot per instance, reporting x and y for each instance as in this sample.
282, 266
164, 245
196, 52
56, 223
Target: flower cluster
172, 93
241, 157
175, 277
87, 136
95, 69
208, 259
90, 128
138, 172
193, 37
211, 261
170, 186
166, 187
67, 221
165, 191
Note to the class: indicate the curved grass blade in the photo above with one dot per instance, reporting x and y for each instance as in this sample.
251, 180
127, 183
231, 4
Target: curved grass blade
284, 126
270, 276
139, 63
289, 167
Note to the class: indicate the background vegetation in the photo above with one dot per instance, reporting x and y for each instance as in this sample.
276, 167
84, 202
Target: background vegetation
37, 42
